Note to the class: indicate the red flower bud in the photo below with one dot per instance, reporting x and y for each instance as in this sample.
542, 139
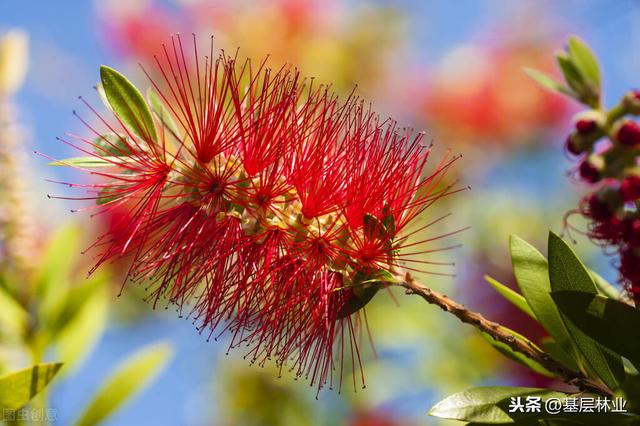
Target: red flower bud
632, 102
585, 126
589, 172
571, 146
629, 134
630, 188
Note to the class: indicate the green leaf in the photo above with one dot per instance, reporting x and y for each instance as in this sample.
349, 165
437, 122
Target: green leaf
517, 356
548, 82
567, 273
358, 301
585, 91
489, 404
107, 195
388, 220
584, 60
162, 111
555, 350
112, 144
611, 323
516, 299
130, 378
128, 104
572, 75
631, 389
364, 285
79, 335
73, 301
103, 96
373, 228
380, 276
53, 278
61, 299
532, 274
604, 287
89, 162
17, 388
13, 317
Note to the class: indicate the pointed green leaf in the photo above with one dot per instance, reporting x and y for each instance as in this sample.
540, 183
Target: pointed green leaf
584, 59
532, 274
516, 299
584, 90
53, 278
493, 405
162, 111
109, 194
555, 350
572, 75
631, 389
611, 323
548, 82
518, 357
13, 317
388, 220
489, 404
130, 378
128, 104
567, 273
73, 302
79, 335
381, 276
17, 388
604, 287
358, 301
112, 144
373, 228
363, 287
88, 162
103, 96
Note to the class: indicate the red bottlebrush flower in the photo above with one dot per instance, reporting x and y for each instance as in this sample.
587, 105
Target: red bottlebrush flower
261, 205
629, 134
630, 188
589, 173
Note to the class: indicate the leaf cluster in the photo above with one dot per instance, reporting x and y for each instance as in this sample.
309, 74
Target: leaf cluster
591, 329
54, 314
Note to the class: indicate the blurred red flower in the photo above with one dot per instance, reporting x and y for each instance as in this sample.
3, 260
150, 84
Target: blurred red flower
480, 94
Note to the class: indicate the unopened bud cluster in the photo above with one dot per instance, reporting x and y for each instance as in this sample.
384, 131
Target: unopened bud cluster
607, 147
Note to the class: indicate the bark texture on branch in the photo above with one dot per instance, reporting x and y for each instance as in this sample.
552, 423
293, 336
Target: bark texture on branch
502, 335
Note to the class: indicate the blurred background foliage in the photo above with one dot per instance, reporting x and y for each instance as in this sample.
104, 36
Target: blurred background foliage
450, 68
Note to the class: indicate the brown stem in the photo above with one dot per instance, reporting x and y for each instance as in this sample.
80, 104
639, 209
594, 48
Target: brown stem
502, 335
